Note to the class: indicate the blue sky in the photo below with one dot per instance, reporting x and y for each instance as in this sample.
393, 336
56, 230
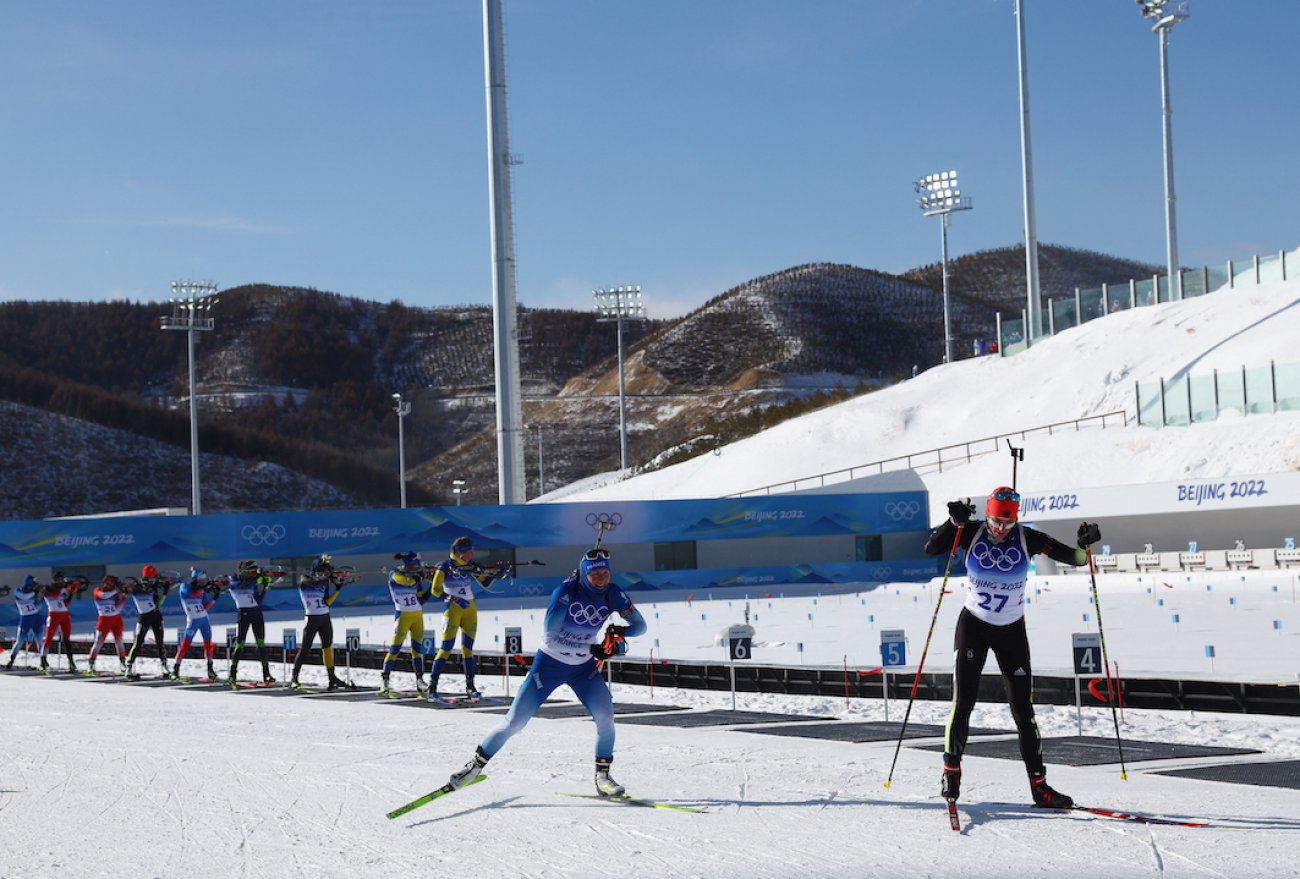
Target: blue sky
683, 145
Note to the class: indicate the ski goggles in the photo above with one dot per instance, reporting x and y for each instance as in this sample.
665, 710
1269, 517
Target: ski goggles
1007, 494
593, 554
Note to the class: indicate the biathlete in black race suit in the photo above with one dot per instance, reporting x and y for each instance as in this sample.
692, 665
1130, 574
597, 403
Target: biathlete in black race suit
998, 550
148, 594
318, 591
248, 588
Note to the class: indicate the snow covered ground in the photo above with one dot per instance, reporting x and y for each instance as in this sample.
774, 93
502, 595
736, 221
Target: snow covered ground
222, 784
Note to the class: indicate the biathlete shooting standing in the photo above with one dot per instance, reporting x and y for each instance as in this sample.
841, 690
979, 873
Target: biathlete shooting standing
248, 588
148, 593
110, 596
31, 619
404, 586
998, 550
453, 580
197, 595
318, 590
58, 596
569, 654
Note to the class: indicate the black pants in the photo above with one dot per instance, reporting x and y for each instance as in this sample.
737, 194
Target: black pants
973, 640
321, 625
250, 618
150, 621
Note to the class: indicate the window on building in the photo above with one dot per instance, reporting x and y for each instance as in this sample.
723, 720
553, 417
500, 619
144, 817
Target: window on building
678, 555
868, 548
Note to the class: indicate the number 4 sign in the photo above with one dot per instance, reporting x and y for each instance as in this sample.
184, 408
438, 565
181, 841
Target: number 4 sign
1087, 653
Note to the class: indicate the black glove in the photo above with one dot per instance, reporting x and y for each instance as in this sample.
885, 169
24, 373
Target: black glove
620, 631
960, 511
609, 647
1089, 534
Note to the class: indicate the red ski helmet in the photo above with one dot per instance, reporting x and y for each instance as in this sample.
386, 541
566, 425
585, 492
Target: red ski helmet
148, 572
1003, 503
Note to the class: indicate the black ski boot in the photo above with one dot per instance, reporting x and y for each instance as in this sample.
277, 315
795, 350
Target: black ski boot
1045, 796
212, 673
471, 691
950, 786
337, 683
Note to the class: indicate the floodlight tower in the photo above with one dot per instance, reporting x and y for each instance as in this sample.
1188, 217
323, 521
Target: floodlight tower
619, 304
1034, 313
939, 195
192, 303
510, 411
403, 409
1165, 21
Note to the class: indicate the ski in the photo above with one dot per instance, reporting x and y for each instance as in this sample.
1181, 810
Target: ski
635, 801
953, 820
1133, 816
431, 796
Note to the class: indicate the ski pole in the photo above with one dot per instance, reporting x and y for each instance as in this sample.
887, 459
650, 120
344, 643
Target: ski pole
956, 541
1096, 602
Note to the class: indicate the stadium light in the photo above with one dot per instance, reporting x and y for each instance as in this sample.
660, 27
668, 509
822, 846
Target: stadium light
1165, 21
458, 489
403, 409
192, 303
618, 304
941, 195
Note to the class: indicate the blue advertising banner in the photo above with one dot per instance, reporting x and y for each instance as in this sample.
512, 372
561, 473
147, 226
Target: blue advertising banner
153, 539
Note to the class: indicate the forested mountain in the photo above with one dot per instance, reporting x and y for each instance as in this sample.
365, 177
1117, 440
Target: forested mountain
302, 379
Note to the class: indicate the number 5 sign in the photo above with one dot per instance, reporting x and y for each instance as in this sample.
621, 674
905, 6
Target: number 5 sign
893, 648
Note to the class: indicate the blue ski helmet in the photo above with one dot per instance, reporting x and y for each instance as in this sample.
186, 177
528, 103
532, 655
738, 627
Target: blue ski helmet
29, 581
410, 562
198, 575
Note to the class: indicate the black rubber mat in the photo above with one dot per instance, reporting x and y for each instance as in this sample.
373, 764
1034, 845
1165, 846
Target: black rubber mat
689, 719
1284, 773
574, 709
870, 731
366, 695
487, 707
1093, 750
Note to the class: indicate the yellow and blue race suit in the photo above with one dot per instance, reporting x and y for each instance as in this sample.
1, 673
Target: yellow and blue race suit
408, 603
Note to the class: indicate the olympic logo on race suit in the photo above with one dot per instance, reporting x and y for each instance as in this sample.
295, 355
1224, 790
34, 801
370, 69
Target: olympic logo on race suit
1002, 558
604, 521
588, 614
263, 535
900, 510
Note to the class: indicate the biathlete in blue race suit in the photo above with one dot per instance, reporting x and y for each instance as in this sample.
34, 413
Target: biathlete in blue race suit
569, 654
31, 617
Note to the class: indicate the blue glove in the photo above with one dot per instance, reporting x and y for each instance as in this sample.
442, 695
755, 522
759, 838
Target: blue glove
460, 602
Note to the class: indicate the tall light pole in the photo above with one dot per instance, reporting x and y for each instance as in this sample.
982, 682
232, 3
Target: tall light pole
403, 409
1164, 22
1034, 313
940, 196
505, 331
619, 304
458, 489
192, 303
541, 474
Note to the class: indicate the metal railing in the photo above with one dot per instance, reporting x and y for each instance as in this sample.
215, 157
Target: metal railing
934, 458
1190, 399
1095, 302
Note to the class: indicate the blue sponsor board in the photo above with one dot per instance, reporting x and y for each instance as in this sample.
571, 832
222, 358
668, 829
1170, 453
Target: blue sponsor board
177, 542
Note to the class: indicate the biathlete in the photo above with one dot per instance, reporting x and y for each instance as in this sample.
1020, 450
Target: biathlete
454, 580
58, 594
31, 620
998, 550
197, 595
248, 587
570, 655
404, 585
148, 593
109, 599
318, 590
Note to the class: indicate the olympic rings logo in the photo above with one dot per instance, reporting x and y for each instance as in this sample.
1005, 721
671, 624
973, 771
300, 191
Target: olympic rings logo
263, 535
899, 510
996, 556
588, 614
604, 521
531, 589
